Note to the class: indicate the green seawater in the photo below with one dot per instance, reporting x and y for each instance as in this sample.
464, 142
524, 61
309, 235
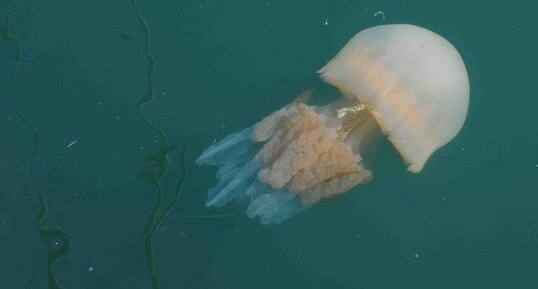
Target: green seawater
105, 105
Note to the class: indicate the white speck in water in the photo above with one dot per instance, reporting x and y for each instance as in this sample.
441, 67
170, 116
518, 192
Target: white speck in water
9, 118
416, 255
101, 103
164, 93
141, 147
380, 12
90, 269
117, 117
124, 51
266, 3
72, 143
326, 23
462, 149
444, 198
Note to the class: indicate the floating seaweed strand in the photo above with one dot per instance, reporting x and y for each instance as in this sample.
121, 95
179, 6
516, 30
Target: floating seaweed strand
155, 172
56, 240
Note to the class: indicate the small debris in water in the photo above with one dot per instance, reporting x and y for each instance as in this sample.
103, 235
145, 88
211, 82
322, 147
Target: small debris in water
71, 144
380, 12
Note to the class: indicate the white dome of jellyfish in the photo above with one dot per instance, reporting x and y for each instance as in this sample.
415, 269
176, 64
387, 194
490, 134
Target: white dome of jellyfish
399, 81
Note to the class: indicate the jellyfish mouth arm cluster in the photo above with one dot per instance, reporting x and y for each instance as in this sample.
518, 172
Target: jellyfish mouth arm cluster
292, 159
315, 152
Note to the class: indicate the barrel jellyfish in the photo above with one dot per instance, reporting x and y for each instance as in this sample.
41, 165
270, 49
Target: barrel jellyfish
399, 81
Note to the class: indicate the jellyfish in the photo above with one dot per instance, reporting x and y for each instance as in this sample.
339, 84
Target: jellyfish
398, 81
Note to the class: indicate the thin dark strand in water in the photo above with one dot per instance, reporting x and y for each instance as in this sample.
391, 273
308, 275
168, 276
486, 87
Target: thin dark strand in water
156, 171
55, 239
181, 181
206, 216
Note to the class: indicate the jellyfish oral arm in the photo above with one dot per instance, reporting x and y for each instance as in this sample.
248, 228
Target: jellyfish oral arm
316, 152
307, 153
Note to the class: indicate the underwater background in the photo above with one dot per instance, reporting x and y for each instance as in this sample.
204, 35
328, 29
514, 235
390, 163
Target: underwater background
105, 105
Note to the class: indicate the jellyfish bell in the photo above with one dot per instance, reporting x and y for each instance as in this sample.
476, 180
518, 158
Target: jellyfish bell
401, 81
413, 81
